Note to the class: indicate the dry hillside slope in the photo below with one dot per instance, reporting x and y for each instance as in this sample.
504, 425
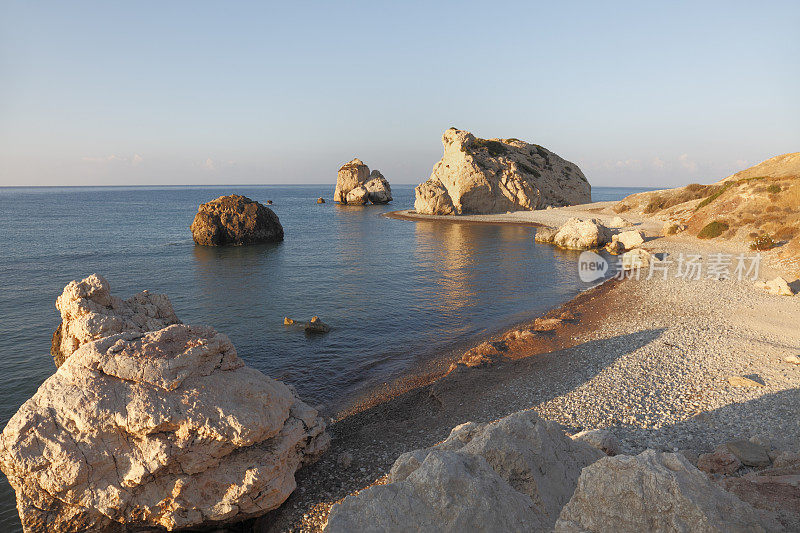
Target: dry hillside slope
759, 205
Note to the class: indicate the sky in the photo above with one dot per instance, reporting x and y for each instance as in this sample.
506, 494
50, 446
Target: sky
636, 93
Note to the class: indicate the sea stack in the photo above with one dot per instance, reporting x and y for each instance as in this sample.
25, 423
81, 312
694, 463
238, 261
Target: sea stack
235, 220
165, 429
356, 185
484, 176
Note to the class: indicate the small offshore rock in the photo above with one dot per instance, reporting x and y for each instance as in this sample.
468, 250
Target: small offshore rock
356, 185
320, 200
235, 220
315, 325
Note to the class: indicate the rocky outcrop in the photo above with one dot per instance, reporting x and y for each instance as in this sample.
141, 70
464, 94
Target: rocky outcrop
576, 234
514, 474
89, 312
167, 428
235, 220
152, 429
480, 176
356, 185
654, 491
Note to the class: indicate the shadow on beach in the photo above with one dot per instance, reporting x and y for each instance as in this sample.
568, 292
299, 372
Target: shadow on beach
423, 416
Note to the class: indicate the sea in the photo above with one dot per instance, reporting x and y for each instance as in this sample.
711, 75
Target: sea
398, 294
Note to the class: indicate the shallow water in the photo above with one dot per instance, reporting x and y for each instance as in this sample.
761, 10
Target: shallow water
395, 292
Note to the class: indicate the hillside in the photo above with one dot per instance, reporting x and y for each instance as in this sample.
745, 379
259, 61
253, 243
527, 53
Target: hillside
759, 205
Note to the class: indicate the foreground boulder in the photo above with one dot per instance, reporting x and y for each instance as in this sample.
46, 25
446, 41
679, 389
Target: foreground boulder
89, 312
356, 185
235, 220
164, 429
480, 176
576, 234
514, 474
654, 491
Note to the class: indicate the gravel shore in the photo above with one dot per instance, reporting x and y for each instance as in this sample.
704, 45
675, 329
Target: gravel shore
649, 360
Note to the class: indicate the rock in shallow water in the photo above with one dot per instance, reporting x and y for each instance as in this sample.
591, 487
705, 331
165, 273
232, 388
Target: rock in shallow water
89, 312
480, 176
356, 185
235, 220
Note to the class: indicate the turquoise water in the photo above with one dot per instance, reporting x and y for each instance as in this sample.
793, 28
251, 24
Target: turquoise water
397, 293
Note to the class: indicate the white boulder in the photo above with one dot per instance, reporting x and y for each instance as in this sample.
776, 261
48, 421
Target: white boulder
514, 474
637, 259
654, 491
89, 312
778, 286
578, 234
160, 429
479, 176
630, 239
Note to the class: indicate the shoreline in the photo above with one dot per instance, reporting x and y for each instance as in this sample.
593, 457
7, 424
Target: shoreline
640, 358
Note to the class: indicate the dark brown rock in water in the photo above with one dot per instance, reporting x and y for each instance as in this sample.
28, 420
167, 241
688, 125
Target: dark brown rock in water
235, 220
320, 200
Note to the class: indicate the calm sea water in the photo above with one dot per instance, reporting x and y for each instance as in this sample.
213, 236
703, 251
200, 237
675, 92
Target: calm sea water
397, 293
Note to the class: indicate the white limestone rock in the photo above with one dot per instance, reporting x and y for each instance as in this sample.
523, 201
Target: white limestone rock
630, 239
654, 491
357, 196
481, 176
89, 312
166, 429
778, 286
356, 185
514, 474
378, 188
578, 234
637, 259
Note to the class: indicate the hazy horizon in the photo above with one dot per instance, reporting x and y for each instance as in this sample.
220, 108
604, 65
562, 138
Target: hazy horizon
197, 94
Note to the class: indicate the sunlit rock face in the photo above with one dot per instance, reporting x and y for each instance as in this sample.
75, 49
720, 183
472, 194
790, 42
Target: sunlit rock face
482, 176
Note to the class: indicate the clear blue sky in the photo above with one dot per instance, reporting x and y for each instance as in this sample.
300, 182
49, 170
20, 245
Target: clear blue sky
636, 93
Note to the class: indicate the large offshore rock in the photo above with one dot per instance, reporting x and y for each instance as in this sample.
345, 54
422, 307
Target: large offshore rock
89, 312
166, 429
356, 185
236, 220
480, 176
654, 491
514, 474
